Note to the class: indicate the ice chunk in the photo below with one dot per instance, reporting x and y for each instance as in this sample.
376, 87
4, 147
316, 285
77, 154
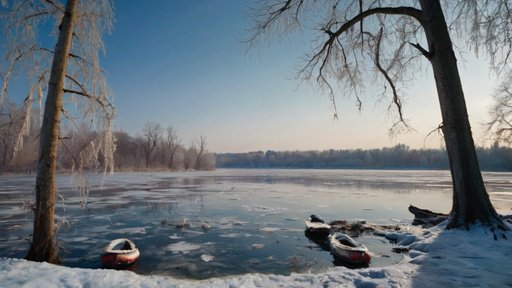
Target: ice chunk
182, 247
207, 257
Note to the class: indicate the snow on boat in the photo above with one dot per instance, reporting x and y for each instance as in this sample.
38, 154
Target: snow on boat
348, 250
316, 226
119, 253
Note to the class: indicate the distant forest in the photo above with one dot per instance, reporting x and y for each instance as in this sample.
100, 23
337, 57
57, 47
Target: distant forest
81, 148
400, 156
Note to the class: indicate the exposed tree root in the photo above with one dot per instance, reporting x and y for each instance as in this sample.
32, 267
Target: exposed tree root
427, 218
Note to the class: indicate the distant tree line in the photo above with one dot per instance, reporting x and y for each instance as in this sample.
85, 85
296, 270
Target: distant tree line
160, 148
400, 156
80, 148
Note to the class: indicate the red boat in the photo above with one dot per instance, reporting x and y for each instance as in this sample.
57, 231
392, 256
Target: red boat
119, 253
348, 250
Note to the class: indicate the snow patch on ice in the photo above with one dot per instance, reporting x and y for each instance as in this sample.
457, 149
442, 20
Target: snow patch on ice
264, 209
269, 229
175, 237
182, 247
134, 230
207, 257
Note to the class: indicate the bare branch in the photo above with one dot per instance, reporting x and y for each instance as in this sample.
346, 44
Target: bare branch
407, 11
439, 129
396, 99
427, 54
59, 8
97, 99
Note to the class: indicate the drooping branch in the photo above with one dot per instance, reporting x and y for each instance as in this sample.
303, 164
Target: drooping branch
272, 14
102, 102
6, 78
396, 98
351, 76
97, 99
72, 55
321, 57
35, 15
332, 49
82, 87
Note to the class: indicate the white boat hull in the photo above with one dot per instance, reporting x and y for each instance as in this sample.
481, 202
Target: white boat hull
348, 250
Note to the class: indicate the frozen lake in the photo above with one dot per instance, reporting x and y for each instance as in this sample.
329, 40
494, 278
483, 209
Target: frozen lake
255, 217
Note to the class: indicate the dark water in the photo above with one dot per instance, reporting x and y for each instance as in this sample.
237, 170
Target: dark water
238, 221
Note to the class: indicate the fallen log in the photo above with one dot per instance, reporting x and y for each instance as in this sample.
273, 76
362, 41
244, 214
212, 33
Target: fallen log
357, 228
426, 218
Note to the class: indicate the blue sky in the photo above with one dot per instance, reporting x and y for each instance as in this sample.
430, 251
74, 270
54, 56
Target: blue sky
184, 64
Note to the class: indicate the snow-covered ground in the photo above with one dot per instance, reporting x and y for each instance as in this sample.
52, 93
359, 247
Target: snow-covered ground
437, 258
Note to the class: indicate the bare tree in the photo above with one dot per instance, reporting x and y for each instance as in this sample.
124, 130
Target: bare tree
190, 158
153, 134
200, 152
78, 27
359, 37
500, 126
172, 142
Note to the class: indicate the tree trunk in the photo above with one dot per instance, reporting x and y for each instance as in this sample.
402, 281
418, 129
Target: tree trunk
147, 158
44, 244
470, 199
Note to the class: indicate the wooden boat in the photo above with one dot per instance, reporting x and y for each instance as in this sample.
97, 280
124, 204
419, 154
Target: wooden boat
317, 227
119, 253
348, 250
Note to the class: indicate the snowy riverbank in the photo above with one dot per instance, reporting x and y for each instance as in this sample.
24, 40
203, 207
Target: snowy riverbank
438, 258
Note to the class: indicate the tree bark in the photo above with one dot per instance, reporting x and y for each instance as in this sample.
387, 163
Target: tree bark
44, 244
470, 199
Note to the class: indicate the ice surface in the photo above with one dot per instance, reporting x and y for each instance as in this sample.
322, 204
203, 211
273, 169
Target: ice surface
268, 211
446, 258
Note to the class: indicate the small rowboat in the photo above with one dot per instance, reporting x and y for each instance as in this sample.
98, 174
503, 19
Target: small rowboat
348, 250
119, 253
317, 227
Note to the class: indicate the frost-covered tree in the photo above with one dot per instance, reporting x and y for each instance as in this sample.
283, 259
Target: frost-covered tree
10, 123
363, 43
71, 67
18, 151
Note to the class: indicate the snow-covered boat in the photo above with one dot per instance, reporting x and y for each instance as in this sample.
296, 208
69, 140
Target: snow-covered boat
317, 226
119, 253
348, 250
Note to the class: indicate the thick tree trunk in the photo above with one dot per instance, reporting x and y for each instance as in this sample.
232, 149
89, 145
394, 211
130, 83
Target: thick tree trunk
44, 245
470, 199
